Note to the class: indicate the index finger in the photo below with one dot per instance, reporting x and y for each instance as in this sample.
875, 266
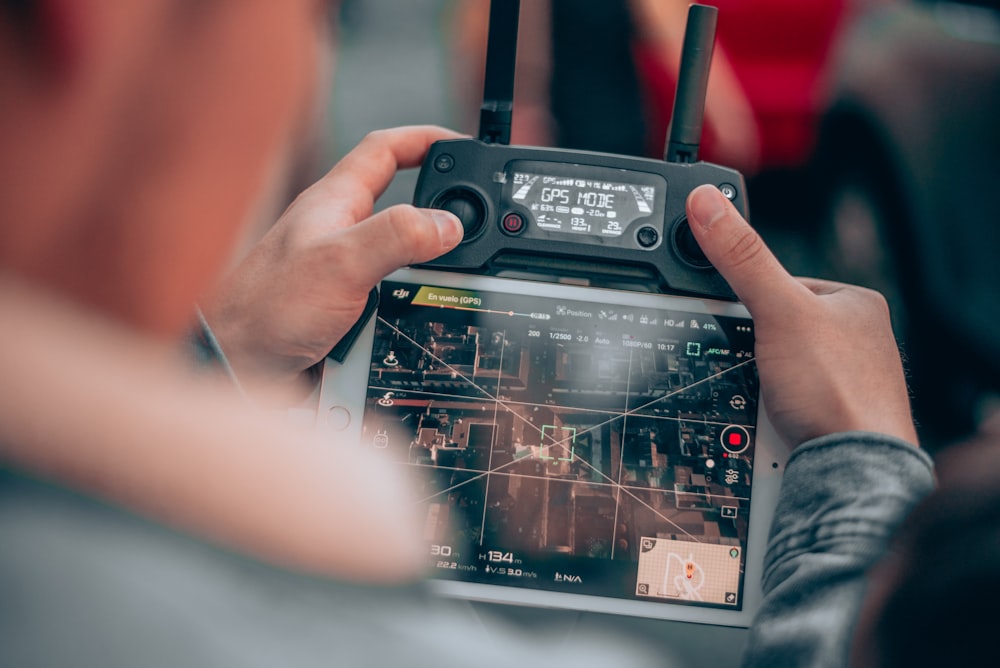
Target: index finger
365, 172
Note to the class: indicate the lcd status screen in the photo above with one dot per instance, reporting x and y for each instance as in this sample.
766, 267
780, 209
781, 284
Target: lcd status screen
571, 446
583, 200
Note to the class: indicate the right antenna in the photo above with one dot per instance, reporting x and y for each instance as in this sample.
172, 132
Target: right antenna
684, 134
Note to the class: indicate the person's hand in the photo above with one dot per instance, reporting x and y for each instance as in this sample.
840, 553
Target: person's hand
305, 283
826, 354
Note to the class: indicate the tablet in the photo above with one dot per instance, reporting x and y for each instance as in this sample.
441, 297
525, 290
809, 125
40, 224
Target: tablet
575, 447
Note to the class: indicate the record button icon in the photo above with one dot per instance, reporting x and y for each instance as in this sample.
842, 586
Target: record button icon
735, 439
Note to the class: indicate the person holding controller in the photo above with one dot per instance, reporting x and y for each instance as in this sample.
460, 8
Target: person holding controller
105, 251
833, 383
830, 373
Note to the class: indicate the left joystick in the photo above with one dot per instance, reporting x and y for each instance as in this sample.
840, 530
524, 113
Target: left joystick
468, 207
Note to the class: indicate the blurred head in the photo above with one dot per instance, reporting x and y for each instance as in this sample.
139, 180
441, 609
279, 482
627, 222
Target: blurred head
137, 137
934, 600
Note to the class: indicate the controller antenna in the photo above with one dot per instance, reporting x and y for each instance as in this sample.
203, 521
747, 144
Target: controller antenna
498, 85
684, 134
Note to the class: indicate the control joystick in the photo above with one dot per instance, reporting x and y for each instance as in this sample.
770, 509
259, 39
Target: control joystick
467, 205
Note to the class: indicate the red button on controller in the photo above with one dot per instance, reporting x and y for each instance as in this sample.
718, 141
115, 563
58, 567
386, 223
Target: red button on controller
512, 223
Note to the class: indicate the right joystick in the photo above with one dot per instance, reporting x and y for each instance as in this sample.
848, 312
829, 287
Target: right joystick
687, 246
467, 205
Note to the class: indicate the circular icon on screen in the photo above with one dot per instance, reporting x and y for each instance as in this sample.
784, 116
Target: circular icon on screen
735, 439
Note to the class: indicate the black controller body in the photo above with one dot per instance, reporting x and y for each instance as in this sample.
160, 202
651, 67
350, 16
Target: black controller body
609, 218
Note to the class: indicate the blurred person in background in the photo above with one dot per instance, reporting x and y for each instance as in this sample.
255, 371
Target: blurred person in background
138, 140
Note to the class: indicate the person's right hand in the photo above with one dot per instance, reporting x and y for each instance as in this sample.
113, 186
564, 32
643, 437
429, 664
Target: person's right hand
825, 351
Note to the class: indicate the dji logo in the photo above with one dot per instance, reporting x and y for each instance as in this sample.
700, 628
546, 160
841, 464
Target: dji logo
400, 293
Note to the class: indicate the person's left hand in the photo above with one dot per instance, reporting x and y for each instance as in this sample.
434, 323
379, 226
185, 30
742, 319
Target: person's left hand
305, 283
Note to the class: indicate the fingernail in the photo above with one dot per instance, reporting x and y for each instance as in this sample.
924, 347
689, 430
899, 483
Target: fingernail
449, 227
706, 205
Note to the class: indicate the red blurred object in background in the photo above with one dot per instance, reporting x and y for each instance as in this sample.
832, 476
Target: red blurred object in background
779, 51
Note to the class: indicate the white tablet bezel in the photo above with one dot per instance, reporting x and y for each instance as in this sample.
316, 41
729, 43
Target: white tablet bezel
341, 408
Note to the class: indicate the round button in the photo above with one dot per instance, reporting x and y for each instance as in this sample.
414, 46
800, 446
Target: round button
512, 223
729, 190
735, 439
647, 237
338, 419
467, 206
444, 162
687, 247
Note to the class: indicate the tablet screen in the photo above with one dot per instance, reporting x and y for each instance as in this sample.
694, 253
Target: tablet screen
567, 445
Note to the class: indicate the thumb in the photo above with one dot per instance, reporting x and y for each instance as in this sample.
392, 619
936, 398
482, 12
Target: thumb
739, 253
398, 236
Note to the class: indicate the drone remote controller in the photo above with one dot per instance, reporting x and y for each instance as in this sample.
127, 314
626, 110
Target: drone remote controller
478, 382
554, 212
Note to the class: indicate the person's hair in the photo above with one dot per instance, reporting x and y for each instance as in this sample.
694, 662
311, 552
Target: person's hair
945, 602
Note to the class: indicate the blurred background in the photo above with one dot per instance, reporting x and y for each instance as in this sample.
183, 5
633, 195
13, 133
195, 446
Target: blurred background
867, 129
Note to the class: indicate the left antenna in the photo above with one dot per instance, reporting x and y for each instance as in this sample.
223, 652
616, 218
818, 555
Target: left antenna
498, 85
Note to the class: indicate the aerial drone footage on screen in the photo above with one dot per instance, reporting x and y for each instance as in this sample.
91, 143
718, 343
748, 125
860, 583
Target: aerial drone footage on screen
570, 446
